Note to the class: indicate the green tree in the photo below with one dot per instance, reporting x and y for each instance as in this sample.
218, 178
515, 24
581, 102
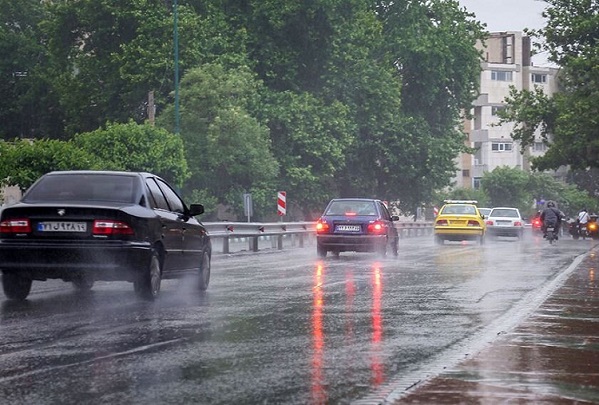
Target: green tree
28, 107
137, 147
462, 193
568, 119
227, 149
507, 187
24, 161
311, 140
106, 56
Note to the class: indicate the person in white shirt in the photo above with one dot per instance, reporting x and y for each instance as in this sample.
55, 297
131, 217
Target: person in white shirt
583, 217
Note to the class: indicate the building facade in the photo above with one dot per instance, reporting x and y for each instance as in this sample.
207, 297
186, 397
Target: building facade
507, 63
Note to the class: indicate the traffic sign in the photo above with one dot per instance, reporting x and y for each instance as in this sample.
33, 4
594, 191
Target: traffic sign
282, 203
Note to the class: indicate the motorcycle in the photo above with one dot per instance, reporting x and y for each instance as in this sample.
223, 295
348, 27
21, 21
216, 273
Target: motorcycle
588, 230
551, 233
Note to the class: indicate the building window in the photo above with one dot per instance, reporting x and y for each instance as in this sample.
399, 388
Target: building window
501, 146
539, 147
495, 109
501, 75
465, 173
476, 183
539, 78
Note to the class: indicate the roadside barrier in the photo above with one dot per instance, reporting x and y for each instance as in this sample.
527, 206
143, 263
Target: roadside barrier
278, 234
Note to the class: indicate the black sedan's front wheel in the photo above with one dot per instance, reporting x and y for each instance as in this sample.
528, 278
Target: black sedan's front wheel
204, 275
16, 287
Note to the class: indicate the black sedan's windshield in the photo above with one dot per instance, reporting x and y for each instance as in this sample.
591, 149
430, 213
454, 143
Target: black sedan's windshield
84, 187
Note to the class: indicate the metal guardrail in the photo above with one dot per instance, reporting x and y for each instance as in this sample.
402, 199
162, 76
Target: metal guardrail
299, 233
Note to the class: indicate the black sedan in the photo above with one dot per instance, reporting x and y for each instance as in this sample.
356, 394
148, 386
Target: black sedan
358, 225
83, 226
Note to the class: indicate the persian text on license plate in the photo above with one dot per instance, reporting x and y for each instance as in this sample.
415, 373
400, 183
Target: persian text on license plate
348, 228
455, 222
55, 226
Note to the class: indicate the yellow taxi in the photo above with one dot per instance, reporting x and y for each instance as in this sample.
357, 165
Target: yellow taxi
459, 220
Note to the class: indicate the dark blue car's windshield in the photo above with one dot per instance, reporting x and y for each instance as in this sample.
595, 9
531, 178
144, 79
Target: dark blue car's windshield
351, 207
84, 187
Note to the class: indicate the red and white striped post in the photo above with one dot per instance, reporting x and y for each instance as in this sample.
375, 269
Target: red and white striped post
282, 203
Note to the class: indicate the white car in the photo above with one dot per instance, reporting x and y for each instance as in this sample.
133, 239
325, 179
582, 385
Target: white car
505, 221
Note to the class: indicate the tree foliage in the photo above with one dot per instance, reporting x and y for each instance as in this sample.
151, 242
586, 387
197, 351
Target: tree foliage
227, 149
134, 147
319, 98
512, 187
24, 161
28, 107
568, 119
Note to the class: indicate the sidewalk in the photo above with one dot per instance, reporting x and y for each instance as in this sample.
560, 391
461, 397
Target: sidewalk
551, 358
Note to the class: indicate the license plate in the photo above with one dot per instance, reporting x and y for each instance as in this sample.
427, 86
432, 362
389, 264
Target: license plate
550, 229
504, 223
457, 222
348, 228
55, 226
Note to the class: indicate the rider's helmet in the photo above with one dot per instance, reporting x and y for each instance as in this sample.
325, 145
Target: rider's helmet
550, 204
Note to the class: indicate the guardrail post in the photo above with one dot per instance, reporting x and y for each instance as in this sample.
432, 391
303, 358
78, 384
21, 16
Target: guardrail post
280, 242
301, 240
254, 243
226, 244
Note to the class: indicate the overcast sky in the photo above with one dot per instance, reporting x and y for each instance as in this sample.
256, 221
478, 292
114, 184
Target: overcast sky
509, 15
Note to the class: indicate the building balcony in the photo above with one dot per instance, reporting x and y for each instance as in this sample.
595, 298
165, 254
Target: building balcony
482, 100
479, 170
479, 135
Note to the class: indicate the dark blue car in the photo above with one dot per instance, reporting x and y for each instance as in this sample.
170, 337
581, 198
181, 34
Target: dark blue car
356, 225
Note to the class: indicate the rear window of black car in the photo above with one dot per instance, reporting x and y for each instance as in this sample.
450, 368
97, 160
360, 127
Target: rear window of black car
95, 187
352, 207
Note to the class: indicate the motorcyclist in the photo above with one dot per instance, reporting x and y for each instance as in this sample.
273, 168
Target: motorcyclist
551, 216
583, 217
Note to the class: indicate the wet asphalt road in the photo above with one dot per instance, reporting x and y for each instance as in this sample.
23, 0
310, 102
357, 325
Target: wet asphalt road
276, 327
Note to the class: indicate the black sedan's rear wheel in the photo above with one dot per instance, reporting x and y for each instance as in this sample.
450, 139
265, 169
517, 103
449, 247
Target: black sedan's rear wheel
148, 284
204, 275
16, 287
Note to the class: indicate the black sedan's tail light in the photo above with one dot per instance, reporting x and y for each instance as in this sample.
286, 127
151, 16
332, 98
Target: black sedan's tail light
17, 225
110, 227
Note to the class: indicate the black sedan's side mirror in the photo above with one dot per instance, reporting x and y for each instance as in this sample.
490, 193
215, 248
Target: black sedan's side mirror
196, 209
394, 217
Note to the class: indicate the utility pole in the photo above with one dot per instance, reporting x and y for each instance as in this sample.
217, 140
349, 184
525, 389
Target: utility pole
176, 42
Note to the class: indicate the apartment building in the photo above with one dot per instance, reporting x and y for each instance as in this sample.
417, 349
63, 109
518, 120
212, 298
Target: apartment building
507, 62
